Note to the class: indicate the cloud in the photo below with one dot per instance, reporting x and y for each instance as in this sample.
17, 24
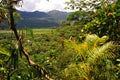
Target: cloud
42, 5
28, 5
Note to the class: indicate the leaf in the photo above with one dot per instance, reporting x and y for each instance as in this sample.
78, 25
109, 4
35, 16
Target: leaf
4, 52
30, 32
17, 16
118, 60
99, 52
2, 69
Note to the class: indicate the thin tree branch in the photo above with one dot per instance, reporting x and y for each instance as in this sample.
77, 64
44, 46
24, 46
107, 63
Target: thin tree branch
31, 63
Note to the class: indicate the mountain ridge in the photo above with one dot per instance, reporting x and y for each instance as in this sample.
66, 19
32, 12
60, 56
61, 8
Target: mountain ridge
39, 19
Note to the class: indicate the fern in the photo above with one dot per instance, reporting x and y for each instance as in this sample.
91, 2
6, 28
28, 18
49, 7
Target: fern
94, 55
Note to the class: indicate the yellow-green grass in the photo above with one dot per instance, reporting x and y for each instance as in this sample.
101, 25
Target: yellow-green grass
42, 31
5, 31
35, 31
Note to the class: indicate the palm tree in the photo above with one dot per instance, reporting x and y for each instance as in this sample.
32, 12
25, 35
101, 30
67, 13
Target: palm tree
94, 60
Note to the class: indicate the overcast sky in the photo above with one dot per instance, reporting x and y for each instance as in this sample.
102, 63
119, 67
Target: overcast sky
43, 5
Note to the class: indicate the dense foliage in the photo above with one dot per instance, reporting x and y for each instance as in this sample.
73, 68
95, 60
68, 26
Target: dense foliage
106, 21
85, 49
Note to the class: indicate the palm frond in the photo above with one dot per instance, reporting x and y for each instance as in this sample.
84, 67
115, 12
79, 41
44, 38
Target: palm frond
99, 52
95, 58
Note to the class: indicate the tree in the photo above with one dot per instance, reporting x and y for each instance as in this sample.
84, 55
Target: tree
88, 5
106, 21
6, 13
103, 21
79, 17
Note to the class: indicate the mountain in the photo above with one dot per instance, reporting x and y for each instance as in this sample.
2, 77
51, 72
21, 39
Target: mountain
41, 19
35, 14
58, 15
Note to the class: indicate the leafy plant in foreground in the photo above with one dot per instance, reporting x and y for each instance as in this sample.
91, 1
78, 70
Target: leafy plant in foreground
93, 60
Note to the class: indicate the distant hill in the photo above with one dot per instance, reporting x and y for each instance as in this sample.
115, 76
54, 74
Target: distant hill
58, 15
41, 19
35, 14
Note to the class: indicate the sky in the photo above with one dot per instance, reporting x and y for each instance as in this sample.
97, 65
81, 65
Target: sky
43, 5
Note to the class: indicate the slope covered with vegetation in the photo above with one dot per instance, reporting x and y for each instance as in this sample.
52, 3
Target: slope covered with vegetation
41, 19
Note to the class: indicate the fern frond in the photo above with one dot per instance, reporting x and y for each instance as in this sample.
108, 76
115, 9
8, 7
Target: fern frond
99, 52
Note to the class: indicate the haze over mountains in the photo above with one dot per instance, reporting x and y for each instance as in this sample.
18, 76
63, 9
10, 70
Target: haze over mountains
41, 19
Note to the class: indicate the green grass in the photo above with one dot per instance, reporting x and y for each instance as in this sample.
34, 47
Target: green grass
42, 31
35, 31
5, 31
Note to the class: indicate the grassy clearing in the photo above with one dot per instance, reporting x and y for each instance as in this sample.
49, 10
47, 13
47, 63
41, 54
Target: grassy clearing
35, 31
5, 31
43, 31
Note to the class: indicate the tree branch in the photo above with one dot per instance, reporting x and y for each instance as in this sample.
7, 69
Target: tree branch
31, 63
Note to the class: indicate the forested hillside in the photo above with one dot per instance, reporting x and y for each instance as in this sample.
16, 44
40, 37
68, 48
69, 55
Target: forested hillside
41, 19
58, 15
